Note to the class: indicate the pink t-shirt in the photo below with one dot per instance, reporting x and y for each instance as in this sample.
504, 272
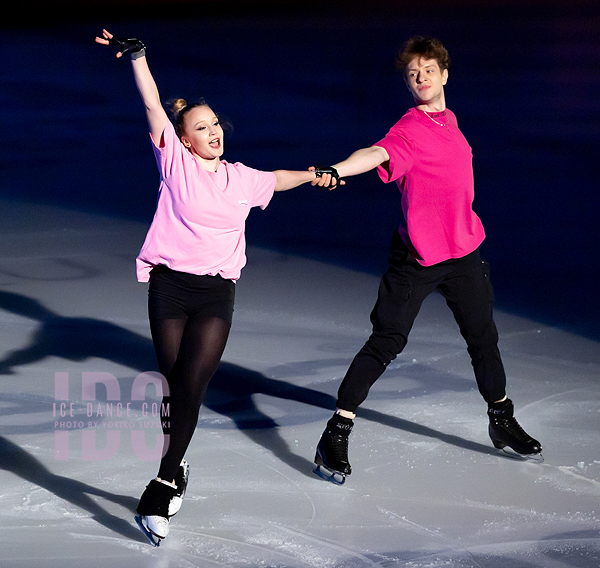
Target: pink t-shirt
432, 166
200, 216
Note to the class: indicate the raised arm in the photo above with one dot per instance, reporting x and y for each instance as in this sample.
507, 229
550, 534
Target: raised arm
155, 112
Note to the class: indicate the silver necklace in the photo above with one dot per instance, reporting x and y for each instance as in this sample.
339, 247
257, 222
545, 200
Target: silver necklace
438, 123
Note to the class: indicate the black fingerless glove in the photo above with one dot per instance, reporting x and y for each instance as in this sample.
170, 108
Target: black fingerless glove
132, 46
319, 171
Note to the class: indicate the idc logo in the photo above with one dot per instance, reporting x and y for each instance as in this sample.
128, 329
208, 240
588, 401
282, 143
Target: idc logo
136, 421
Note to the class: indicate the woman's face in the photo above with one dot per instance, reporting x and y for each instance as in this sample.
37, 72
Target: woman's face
202, 133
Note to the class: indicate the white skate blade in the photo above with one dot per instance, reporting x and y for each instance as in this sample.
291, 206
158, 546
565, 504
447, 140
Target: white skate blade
154, 538
336, 477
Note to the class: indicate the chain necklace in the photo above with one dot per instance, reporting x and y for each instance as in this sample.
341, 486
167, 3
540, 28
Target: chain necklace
438, 123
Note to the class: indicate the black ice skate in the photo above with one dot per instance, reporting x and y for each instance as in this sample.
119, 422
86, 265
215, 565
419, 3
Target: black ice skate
181, 480
153, 510
332, 450
505, 431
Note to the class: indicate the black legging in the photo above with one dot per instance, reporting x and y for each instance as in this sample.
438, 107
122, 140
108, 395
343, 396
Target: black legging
188, 352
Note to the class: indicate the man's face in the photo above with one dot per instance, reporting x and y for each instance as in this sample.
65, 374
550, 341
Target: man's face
426, 81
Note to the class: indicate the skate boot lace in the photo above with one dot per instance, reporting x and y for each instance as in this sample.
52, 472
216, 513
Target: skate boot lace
339, 447
514, 428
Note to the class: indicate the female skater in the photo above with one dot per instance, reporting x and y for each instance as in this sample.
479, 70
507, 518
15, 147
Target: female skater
192, 256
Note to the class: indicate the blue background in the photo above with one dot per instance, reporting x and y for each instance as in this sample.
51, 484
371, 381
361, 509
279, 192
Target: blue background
307, 83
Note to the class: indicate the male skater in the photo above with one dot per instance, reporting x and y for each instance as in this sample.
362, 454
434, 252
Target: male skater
435, 247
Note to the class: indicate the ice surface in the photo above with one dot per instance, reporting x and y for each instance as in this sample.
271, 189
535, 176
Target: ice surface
428, 489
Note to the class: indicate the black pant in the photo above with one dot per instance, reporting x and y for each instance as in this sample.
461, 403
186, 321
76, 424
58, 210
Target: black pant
465, 284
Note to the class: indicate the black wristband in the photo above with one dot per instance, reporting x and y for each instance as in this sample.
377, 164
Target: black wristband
138, 54
320, 170
133, 46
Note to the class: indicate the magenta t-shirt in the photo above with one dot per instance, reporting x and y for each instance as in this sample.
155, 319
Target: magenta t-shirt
200, 216
432, 166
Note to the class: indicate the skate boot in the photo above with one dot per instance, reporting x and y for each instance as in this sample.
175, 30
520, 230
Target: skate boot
505, 430
181, 480
332, 450
153, 510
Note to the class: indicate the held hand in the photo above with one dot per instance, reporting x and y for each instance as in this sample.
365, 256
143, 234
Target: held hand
133, 46
327, 177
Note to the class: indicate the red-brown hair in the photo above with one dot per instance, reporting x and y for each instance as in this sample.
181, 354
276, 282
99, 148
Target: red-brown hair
425, 47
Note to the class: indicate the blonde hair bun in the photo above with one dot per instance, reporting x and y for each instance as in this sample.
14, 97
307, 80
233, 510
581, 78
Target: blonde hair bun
177, 106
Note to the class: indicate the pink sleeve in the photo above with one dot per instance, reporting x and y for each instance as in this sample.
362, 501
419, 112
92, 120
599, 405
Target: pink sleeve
260, 185
401, 159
